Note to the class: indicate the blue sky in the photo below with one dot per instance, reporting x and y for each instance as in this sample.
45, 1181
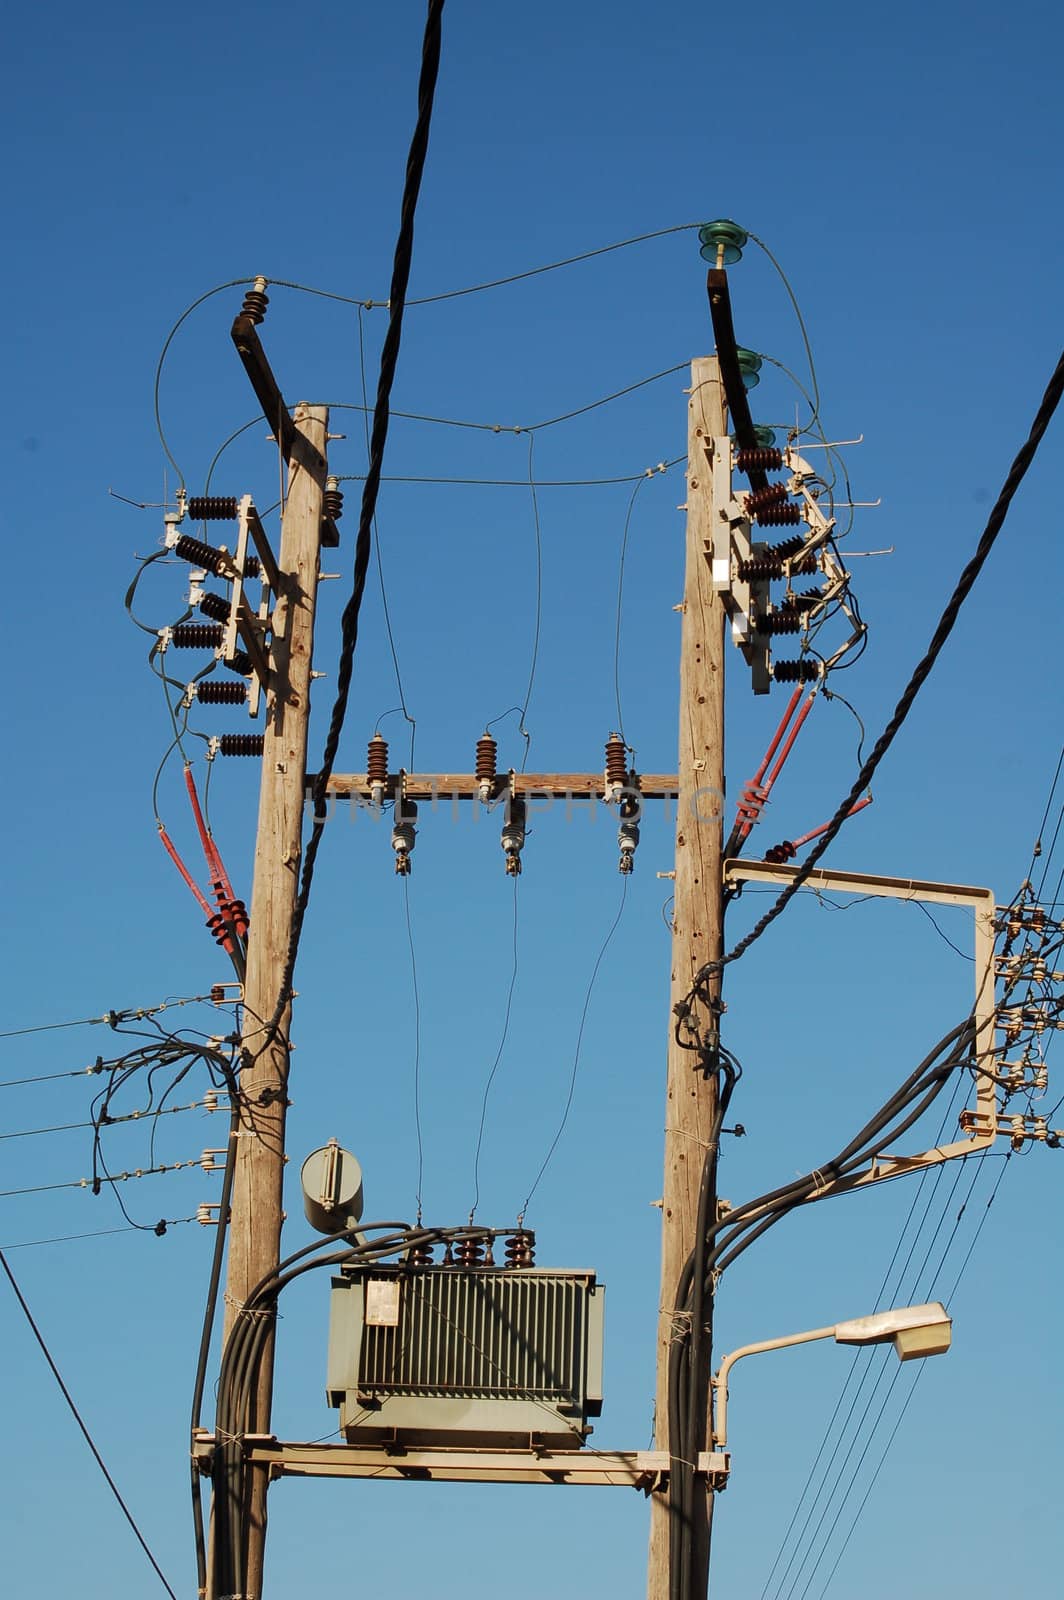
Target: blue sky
902, 165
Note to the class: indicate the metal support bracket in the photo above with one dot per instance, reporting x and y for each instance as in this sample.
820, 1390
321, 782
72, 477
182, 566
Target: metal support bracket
981, 1124
645, 1470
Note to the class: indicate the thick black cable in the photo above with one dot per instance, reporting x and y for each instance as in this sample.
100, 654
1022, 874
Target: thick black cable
404, 247
385, 607
207, 1330
995, 522
76, 1414
726, 1240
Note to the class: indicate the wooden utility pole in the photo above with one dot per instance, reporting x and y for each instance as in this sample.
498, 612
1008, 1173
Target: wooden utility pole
697, 934
256, 1211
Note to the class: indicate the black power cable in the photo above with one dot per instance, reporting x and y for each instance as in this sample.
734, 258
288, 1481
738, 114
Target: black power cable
404, 247
995, 522
27, 1313
722, 1241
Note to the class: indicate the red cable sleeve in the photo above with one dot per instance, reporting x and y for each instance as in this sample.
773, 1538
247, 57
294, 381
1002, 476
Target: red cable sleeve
771, 751
168, 846
223, 889
815, 834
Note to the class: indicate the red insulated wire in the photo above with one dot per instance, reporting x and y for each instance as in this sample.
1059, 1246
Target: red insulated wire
215, 866
760, 794
789, 744
815, 834
771, 751
180, 865
232, 909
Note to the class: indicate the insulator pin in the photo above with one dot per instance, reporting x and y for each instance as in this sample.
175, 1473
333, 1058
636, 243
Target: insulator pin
778, 516
213, 508
803, 671
241, 744
224, 692
215, 606
766, 459
197, 636
521, 1248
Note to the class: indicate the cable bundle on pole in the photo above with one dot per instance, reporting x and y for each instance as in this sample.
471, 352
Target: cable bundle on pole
722, 1241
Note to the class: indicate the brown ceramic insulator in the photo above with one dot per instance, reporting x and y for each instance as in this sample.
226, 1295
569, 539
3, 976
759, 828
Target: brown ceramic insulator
421, 1255
377, 760
521, 1248
804, 671
469, 1252
199, 554
616, 759
760, 567
216, 607
764, 459
778, 516
332, 504
255, 303
487, 751
222, 692
770, 495
197, 636
784, 621
241, 744
212, 508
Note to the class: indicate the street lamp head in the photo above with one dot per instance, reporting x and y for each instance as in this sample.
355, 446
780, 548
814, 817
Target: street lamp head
915, 1331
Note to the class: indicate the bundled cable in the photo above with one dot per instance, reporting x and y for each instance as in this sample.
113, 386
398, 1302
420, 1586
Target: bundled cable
404, 246
721, 1241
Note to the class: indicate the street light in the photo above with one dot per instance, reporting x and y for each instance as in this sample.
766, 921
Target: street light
915, 1331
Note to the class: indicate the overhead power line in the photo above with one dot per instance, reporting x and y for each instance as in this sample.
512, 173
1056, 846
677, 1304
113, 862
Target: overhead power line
389, 360
27, 1313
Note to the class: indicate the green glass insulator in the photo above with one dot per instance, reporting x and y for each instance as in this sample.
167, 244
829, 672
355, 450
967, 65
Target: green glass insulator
749, 366
712, 235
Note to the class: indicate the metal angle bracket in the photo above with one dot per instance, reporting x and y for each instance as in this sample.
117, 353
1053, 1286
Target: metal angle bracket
980, 1123
645, 1470
743, 601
